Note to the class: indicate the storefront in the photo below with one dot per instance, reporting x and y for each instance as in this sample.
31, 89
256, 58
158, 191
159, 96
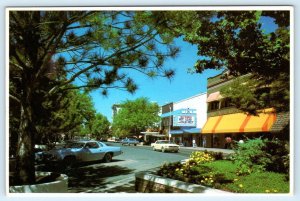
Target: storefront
189, 137
219, 130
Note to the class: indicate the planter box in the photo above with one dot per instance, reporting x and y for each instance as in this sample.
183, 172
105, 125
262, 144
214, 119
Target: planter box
60, 185
146, 182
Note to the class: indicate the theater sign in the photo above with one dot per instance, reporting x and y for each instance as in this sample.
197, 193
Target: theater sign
184, 117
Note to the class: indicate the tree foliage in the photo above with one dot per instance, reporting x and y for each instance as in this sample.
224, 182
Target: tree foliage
98, 127
237, 41
85, 50
135, 116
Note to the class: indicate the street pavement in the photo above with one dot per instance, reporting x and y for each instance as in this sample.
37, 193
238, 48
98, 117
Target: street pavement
118, 176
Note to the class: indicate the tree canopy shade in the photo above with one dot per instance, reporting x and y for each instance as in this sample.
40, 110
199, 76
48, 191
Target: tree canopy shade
237, 41
94, 49
135, 116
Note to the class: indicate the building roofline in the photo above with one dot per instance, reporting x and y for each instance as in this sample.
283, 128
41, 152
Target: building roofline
190, 97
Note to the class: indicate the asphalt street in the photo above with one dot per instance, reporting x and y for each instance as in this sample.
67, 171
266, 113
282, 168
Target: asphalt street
118, 175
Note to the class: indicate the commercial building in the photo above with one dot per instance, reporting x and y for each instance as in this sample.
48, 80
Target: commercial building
226, 123
182, 121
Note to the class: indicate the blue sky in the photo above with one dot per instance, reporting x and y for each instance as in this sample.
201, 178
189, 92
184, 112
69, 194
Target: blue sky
161, 90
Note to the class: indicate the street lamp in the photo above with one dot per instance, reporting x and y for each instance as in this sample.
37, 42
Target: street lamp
170, 124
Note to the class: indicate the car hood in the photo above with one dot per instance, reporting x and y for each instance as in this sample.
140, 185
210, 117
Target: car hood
62, 150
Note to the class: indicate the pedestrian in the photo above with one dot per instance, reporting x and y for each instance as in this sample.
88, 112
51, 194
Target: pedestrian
228, 141
204, 141
194, 143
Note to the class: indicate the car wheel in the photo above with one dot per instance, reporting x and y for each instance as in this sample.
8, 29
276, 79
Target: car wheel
68, 162
134, 144
163, 149
107, 158
154, 149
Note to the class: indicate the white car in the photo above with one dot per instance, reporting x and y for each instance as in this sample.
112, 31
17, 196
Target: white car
165, 145
82, 151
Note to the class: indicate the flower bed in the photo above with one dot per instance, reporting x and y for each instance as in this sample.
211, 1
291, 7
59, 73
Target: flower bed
210, 170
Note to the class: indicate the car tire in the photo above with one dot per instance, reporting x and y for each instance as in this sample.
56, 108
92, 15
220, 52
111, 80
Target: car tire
163, 149
107, 158
68, 162
154, 149
135, 144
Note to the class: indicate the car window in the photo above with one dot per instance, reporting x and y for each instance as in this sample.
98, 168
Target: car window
92, 145
75, 145
101, 144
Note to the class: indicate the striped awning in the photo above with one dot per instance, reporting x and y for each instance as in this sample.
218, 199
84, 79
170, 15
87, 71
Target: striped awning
240, 123
214, 97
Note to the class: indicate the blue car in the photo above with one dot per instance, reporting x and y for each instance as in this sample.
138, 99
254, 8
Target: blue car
82, 151
130, 141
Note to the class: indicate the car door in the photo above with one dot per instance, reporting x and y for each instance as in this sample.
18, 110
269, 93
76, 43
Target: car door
95, 152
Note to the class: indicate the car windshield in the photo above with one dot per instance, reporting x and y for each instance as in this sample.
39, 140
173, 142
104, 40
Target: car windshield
102, 144
75, 145
166, 142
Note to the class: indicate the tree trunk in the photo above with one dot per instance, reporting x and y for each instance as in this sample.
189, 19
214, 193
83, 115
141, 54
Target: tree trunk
25, 170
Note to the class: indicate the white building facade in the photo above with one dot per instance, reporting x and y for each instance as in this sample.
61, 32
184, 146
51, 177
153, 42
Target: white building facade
198, 103
189, 116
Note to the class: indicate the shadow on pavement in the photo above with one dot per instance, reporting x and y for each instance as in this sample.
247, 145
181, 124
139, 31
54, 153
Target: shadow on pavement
89, 177
127, 188
93, 176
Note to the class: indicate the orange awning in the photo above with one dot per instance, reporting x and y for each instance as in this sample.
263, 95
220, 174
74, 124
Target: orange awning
240, 123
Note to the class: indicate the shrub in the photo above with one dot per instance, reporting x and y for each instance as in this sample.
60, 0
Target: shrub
188, 171
168, 169
215, 155
199, 157
279, 156
260, 155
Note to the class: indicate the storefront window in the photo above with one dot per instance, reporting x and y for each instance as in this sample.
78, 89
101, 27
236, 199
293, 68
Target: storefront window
214, 105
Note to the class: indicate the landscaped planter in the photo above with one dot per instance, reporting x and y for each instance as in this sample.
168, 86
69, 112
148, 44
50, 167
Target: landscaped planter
59, 185
146, 182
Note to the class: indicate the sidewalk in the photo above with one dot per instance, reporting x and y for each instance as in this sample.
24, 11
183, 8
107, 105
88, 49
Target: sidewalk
227, 151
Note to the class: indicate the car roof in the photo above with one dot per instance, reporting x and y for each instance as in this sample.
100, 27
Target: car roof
83, 141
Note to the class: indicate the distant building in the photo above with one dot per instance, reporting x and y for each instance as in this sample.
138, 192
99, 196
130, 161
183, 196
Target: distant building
166, 118
183, 120
116, 108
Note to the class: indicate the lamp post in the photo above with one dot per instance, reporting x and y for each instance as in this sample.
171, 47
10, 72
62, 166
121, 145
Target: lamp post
170, 124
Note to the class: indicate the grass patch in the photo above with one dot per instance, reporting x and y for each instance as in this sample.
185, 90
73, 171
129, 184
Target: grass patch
257, 182
221, 174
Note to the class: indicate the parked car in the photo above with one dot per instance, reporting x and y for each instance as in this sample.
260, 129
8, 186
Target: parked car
165, 145
130, 141
38, 152
81, 151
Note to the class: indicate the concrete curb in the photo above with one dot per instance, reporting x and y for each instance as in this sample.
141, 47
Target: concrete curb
60, 185
149, 183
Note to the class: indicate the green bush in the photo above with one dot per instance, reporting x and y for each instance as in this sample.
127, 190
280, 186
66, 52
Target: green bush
215, 155
261, 155
279, 156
